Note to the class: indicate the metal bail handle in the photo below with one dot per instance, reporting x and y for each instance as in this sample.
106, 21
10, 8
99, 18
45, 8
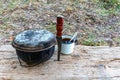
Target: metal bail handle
59, 28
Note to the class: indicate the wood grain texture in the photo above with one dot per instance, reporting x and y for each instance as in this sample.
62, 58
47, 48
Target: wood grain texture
86, 63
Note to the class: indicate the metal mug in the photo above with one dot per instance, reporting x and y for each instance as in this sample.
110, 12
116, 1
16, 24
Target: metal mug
67, 45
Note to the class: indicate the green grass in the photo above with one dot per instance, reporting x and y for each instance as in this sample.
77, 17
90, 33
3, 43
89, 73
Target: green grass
108, 7
51, 27
91, 39
117, 40
92, 42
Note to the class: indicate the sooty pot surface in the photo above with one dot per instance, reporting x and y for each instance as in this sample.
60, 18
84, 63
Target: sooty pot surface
34, 46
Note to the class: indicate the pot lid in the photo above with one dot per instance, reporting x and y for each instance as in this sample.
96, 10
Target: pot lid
34, 40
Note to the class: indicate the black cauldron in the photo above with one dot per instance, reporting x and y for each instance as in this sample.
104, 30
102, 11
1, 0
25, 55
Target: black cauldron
34, 46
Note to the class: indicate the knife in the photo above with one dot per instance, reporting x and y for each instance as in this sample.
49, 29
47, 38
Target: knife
59, 28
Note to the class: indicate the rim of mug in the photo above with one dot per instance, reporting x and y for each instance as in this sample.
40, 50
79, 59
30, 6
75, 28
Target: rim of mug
67, 36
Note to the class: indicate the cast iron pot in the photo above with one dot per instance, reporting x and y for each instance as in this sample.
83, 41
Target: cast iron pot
34, 46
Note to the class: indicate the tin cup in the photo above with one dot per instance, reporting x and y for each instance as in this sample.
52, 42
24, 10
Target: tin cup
67, 45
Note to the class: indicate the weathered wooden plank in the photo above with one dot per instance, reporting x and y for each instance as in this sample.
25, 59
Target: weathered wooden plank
6, 48
86, 63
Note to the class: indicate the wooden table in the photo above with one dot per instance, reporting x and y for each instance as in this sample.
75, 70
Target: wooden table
86, 63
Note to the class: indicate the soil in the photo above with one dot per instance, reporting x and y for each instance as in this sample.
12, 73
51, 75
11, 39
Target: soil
80, 15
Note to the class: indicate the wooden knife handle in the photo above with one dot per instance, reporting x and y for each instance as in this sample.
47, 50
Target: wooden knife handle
59, 25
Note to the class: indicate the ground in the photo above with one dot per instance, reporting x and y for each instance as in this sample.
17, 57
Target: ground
96, 25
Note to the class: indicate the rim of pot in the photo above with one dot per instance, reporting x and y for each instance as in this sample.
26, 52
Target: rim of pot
30, 49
